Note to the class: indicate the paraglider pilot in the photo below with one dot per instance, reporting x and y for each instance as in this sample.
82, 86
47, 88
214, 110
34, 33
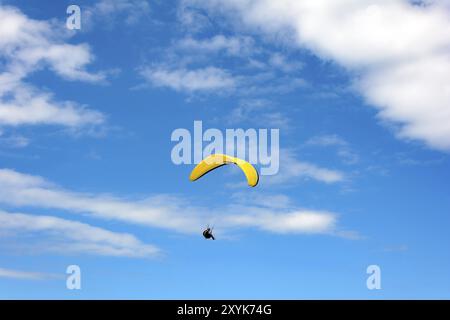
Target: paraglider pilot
208, 234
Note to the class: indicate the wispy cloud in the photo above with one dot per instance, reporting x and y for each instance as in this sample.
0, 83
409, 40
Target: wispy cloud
71, 237
193, 19
26, 46
327, 140
262, 112
13, 141
407, 82
233, 46
344, 150
24, 275
165, 212
292, 170
301, 221
281, 62
186, 67
203, 79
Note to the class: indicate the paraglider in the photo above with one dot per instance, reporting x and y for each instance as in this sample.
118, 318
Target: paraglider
215, 161
208, 234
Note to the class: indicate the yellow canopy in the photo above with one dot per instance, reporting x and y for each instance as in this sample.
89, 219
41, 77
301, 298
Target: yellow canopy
217, 160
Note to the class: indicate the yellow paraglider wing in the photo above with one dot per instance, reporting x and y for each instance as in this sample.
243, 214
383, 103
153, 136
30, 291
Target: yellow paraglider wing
217, 160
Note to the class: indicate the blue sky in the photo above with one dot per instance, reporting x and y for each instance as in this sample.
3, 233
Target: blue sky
86, 116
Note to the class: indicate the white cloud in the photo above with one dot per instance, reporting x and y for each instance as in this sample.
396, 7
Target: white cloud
69, 237
187, 67
302, 221
281, 62
399, 51
203, 79
276, 213
217, 80
193, 19
26, 46
23, 275
32, 107
22, 190
266, 83
234, 46
292, 169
